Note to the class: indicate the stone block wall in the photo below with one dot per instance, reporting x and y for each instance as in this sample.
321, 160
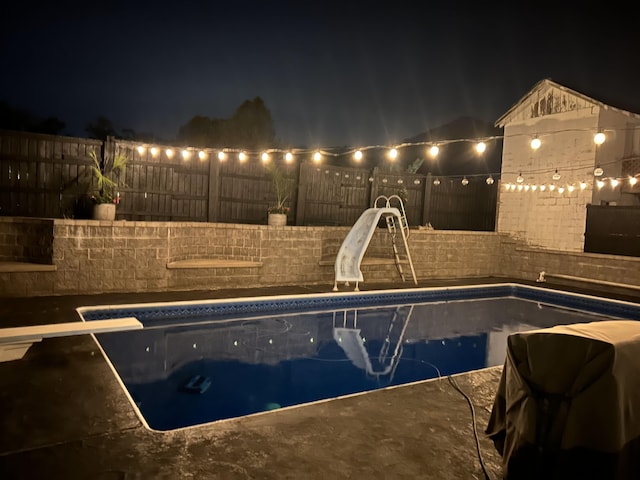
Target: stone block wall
26, 240
97, 257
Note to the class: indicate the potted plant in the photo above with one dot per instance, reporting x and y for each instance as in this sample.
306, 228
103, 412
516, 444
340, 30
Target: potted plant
283, 186
107, 177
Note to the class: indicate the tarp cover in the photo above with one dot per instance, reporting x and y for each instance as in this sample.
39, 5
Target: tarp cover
568, 402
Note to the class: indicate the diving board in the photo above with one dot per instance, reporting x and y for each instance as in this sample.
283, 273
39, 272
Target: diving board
354, 246
15, 341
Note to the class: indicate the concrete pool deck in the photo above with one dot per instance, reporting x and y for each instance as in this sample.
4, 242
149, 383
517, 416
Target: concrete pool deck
64, 415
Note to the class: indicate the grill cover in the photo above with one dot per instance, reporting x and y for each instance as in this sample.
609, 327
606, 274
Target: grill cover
568, 402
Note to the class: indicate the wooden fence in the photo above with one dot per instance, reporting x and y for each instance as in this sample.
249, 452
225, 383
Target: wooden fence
45, 176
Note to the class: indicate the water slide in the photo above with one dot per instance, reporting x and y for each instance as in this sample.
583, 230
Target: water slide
354, 246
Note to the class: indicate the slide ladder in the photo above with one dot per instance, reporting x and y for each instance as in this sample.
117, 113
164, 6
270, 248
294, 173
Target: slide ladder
354, 246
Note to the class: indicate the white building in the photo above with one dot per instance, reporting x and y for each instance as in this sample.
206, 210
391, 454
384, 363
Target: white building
545, 191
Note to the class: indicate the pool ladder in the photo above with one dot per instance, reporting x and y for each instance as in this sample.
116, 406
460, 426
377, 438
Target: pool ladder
393, 225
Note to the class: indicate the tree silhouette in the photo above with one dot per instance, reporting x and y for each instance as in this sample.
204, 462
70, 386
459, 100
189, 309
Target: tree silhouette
101, 128
23, 120
250, 127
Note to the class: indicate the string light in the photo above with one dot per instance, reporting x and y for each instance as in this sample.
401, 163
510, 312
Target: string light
535, 143
433, 150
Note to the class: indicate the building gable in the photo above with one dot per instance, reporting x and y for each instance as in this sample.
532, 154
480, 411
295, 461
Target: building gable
547, 98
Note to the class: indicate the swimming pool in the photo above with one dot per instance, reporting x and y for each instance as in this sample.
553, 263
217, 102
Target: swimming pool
199, 362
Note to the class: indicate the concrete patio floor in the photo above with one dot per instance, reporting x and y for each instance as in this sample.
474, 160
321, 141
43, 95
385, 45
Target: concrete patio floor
63, 414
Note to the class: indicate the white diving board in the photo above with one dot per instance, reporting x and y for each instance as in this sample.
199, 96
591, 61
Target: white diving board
15, 341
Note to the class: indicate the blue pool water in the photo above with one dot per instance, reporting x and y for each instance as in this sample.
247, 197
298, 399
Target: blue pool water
198, 362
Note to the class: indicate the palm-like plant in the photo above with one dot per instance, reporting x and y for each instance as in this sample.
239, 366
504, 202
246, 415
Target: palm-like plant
107, 176
283, 186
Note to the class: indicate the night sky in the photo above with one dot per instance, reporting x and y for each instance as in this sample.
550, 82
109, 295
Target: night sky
331, 72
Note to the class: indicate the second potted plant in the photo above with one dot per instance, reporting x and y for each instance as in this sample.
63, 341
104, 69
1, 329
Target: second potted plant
283, 186
108, 177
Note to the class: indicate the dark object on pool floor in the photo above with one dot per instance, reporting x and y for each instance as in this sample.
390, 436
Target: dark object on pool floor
197, 384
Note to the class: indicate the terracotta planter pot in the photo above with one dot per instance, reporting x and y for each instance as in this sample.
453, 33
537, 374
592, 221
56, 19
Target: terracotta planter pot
104, 211
277, 219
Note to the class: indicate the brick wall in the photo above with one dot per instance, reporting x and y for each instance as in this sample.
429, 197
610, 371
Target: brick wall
95, 257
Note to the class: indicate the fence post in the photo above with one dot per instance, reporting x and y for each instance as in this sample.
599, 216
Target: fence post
373, 192
301, 197
426, 201
213, 204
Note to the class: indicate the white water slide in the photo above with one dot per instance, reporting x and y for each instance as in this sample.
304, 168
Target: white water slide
354, 246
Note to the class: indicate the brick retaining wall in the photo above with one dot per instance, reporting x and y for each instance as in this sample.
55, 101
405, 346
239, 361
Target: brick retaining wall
95, 257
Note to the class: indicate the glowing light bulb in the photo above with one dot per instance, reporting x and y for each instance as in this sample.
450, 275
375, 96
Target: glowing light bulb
481, 147
570, 188
600, 183
357, 156
436, 182
222, 156
433, 151
465, 182
599, 138
614, 182
507, 186
520, 187
242, 156
513, 187
543, 187
526, 187
140, 150
535, 143
534, 187
393, 154
317, 156
633, 181
288, 157
186, 154
552, 187
265, 157
202, 155
490, 180
583, 185
154, 151
169, 153
561, 190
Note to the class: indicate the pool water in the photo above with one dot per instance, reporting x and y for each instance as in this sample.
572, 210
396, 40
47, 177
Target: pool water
192, 366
